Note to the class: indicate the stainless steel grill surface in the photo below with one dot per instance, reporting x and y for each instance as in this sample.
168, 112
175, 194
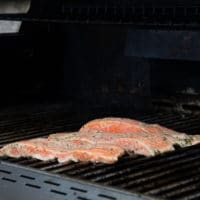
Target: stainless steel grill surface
174, 175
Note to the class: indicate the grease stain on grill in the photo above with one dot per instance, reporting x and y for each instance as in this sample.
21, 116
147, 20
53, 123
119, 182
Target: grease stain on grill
9, 180
78, 189
58, 192
52, 183
27, 177
33, 186
106, 197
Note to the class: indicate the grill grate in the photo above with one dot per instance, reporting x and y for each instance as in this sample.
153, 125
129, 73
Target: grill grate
174, 175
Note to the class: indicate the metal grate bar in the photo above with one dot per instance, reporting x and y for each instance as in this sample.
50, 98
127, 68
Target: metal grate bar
143, 184
179, 182
136, 165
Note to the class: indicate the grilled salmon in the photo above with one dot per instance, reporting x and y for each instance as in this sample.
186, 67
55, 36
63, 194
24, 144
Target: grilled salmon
123, 125
114, 125
64, 151
102, 140
139, 143
35, 148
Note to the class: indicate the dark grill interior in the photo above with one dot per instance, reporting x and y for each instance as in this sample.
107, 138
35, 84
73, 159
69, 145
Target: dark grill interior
174, 175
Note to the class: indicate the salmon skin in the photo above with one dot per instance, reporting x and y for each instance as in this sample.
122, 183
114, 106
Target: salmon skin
64, 151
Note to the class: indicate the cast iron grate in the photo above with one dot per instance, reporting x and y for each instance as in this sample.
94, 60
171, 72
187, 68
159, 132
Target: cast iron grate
174, 175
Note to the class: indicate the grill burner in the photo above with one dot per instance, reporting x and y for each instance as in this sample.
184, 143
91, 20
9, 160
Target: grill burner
174, 175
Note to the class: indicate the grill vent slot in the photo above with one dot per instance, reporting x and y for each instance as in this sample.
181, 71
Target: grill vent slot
58, 192
27, 177
8, 179
33, 186
106, 197
82, 198
78, 189
51, 183
4, 171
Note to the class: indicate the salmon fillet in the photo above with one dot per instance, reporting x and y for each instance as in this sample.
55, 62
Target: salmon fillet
123, 125
64, 151
114, 125
35, 148
102, 140
139, 143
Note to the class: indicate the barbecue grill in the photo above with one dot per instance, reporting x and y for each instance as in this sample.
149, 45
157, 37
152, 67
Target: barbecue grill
74, 61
